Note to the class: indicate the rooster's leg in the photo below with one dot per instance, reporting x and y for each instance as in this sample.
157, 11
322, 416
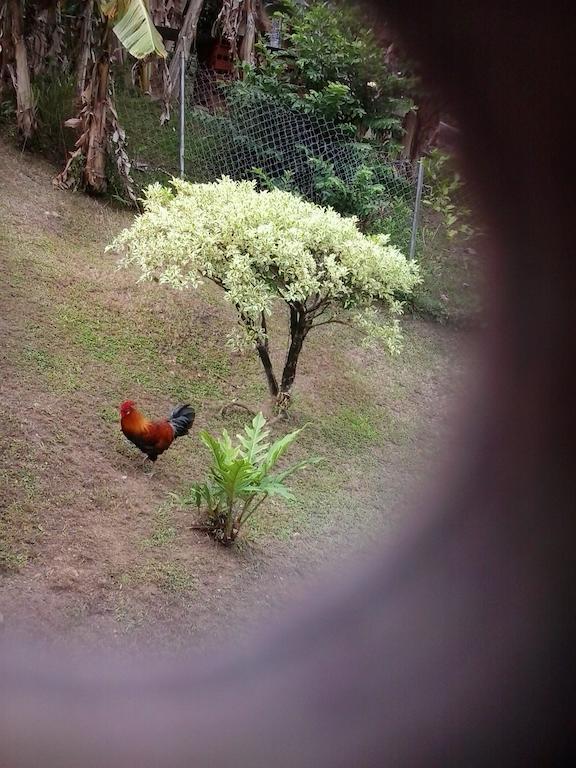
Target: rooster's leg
147, 462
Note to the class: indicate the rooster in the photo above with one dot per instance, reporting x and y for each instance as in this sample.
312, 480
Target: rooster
154, 437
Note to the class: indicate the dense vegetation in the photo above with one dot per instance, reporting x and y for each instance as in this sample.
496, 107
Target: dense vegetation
332, 70
333, 67
82, 109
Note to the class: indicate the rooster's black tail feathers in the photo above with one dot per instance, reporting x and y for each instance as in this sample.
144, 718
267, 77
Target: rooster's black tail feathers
182, 418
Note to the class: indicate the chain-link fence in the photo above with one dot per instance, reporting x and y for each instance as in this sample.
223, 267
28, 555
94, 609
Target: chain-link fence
237, 131
228, 128
245, 134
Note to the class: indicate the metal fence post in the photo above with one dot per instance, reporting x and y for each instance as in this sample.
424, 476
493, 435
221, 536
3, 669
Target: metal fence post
182, 105
416, 217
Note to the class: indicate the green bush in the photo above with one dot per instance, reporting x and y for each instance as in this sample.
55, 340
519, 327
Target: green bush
261, 247
443, 194
333, 67
242, 477
369, 189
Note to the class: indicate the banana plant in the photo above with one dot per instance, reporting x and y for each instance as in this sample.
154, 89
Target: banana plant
242, 477
14, 61
97, 123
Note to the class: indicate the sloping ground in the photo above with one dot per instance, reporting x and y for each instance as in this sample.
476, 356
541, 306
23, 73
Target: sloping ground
92, 548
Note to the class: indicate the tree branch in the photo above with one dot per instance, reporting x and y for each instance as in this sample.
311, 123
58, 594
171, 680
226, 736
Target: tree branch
264, 328
217, 282
321, 301
225, 408
333, 321
324, 309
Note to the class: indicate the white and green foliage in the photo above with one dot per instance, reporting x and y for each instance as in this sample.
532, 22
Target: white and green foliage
242, 477
265, 246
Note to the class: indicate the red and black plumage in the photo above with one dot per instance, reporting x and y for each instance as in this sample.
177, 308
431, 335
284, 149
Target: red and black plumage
154, 437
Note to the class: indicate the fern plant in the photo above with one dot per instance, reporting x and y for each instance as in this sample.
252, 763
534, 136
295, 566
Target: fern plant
242, 477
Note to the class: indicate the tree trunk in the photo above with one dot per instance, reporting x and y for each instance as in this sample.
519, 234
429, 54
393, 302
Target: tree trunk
420, 127
6, 48
264, 356
92, 123
186, 37
289, 372
249, 39
44, 42
95, 170
85, 48
241, 20
229, 535
168, 16
300, 324
26, 118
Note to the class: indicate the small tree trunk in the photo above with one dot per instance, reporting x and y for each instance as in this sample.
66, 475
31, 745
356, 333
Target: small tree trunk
95, 170
93, 123
289, 372
249, 39
44, 41
264, 355
6, 49
164, 14
24, 98
85, 48
420, 127
300, 324
186, 37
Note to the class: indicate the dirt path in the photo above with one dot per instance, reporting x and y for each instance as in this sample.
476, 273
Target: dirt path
91, 548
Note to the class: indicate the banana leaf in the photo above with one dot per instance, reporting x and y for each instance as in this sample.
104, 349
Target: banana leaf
132, 25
